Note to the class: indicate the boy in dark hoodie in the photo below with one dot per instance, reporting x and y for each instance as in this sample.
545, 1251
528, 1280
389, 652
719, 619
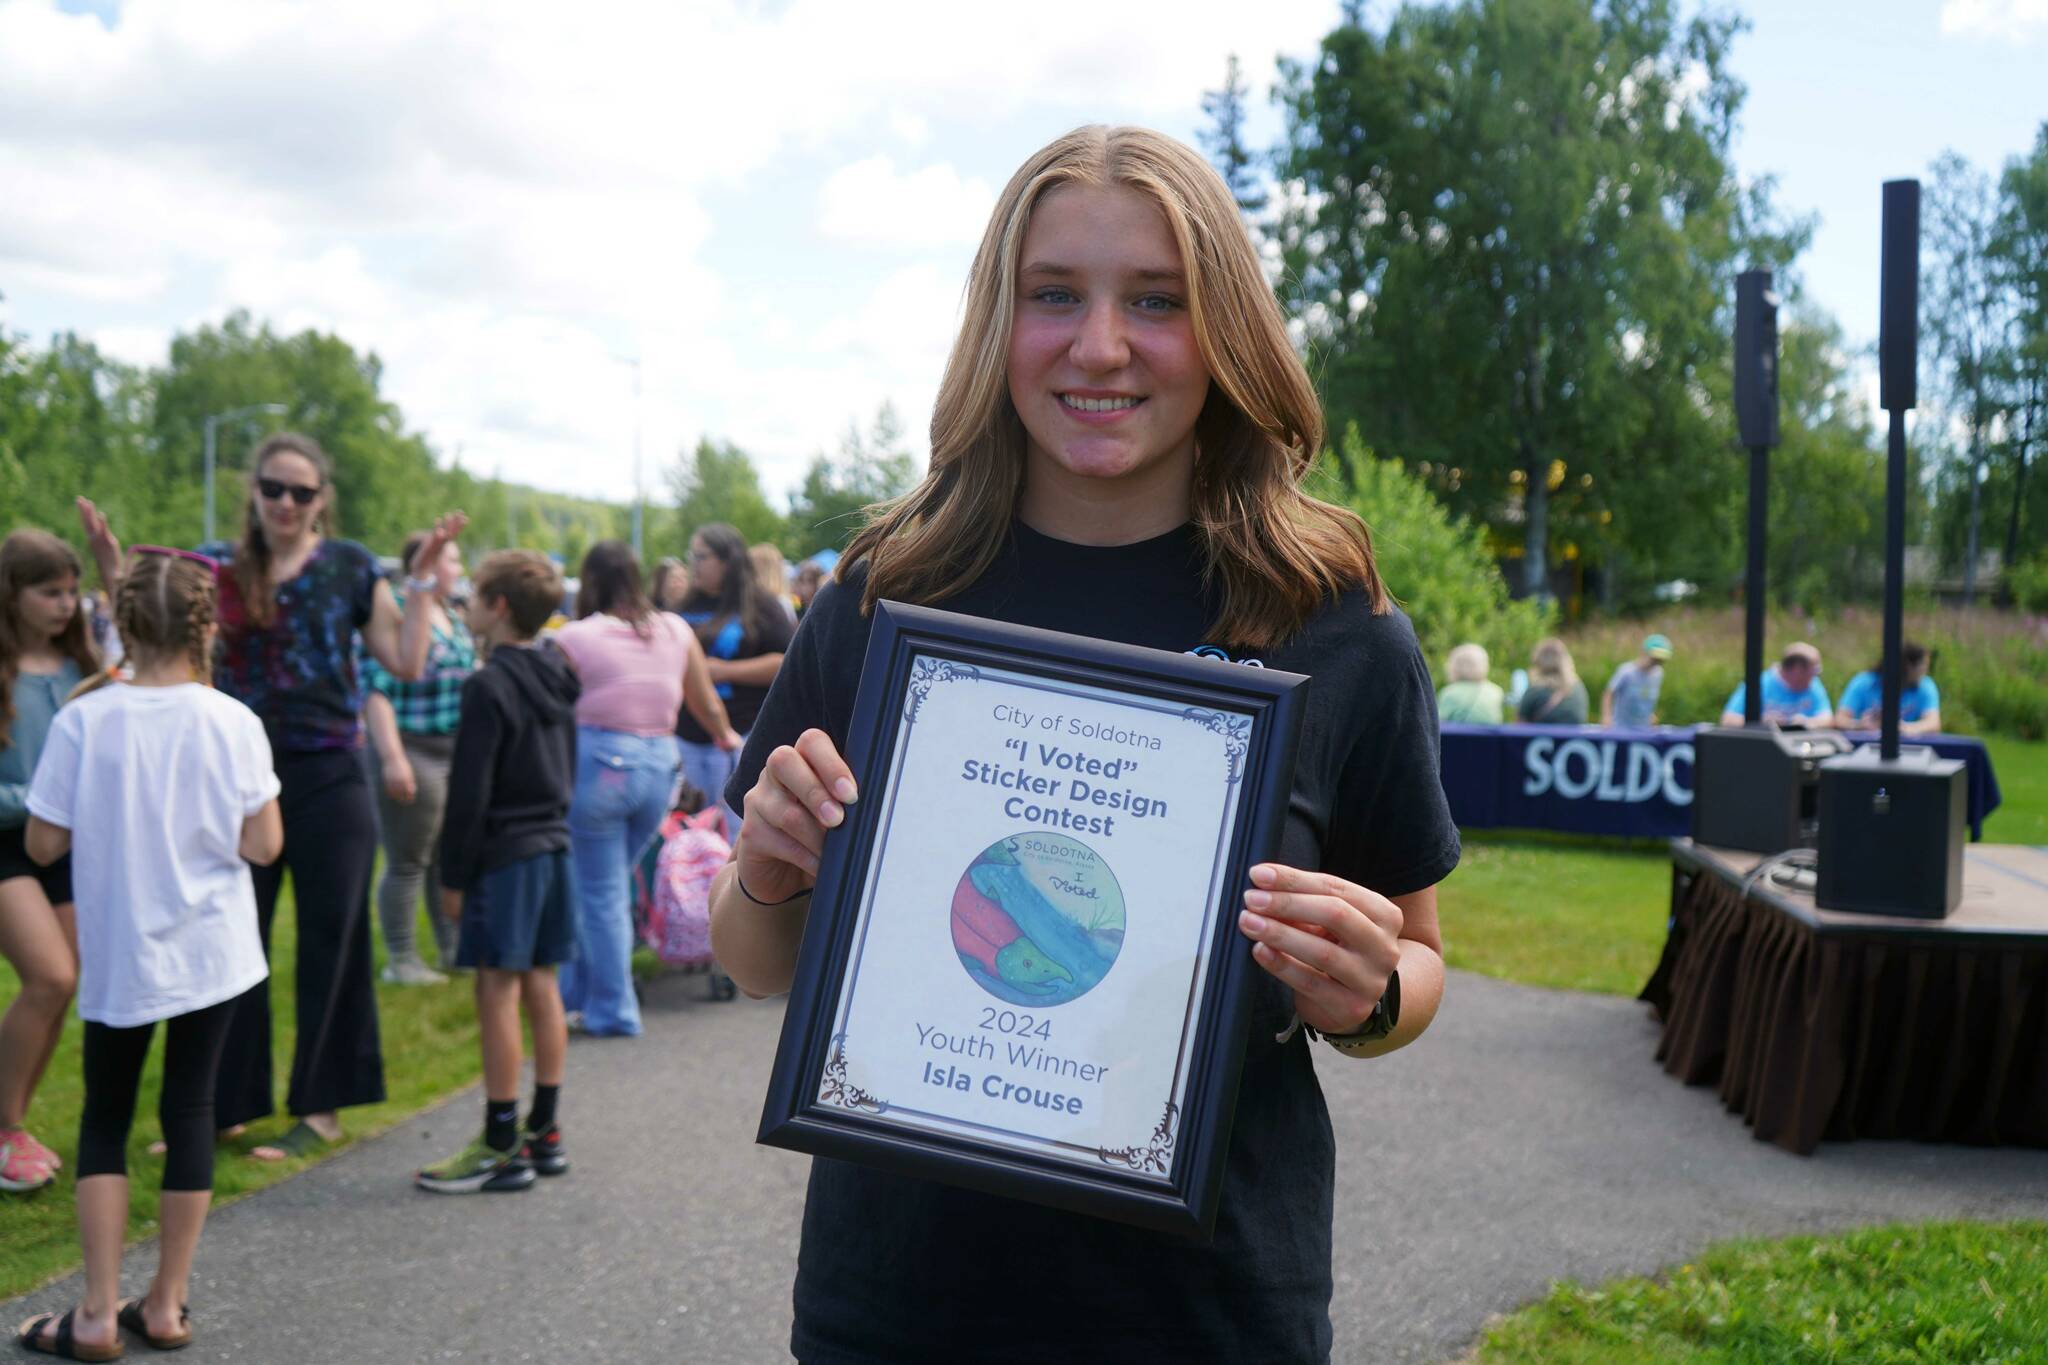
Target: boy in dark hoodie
505, 867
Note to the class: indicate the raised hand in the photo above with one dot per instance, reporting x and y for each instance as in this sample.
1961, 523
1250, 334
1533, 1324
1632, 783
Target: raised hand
449, 527
101, 541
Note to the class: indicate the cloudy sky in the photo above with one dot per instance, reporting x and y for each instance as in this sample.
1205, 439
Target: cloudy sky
769, 203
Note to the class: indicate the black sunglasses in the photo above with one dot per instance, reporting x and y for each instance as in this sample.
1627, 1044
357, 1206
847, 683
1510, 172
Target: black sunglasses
273, 489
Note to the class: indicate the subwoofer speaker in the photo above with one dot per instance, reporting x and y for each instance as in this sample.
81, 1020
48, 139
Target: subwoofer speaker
1754, 788
1892, 834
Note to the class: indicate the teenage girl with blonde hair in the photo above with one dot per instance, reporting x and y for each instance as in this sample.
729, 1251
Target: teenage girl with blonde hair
163, 787
1118, 450
45, 650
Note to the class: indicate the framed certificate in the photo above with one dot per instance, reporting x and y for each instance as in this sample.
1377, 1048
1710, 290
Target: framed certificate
1021, 970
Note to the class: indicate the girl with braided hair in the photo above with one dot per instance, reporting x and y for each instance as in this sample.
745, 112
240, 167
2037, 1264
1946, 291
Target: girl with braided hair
44, 651
296, 602
165, 789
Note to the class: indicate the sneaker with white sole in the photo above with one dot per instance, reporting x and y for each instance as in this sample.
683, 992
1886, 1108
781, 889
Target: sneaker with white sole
544, 1150
478, 1168
410, 971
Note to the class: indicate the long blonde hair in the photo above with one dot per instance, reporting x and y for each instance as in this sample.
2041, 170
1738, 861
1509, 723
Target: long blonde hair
1276, 552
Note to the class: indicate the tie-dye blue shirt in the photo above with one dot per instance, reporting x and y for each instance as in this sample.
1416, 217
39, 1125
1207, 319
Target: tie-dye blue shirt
298, 674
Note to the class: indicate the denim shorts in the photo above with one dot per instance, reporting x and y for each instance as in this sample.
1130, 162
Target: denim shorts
521, 916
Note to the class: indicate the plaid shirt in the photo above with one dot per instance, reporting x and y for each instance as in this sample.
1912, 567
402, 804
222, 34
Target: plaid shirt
433, 705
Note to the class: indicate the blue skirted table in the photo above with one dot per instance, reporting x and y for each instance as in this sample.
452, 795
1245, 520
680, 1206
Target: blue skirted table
1636, 783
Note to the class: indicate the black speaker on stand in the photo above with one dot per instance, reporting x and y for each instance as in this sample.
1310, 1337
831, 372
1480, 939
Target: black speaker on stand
1891, 823
1753, 785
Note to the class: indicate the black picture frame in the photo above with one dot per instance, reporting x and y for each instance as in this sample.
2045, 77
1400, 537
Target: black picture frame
1170, 1181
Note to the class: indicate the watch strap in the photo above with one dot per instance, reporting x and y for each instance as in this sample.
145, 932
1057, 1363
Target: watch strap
1381, 1022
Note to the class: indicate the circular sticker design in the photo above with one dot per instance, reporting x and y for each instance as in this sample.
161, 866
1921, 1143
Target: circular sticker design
1038, 919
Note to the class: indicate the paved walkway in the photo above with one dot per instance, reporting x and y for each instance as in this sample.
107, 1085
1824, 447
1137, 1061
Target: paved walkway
1531, 1137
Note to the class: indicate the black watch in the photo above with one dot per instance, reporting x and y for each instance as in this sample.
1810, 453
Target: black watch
1379, 1023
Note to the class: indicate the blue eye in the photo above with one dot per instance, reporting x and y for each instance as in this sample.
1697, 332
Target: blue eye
1054, 294
1159, 303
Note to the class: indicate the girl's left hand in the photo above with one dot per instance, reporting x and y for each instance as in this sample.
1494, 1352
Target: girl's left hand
1333, 941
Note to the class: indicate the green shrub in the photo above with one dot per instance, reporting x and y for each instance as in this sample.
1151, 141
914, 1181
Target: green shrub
1435, 563
2028, 580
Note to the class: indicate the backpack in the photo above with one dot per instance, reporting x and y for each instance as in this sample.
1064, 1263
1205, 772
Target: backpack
677, 919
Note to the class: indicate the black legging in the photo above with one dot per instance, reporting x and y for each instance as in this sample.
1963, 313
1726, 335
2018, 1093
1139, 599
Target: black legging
330, 845
113, 1072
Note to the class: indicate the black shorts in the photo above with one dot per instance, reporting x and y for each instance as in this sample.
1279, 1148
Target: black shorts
15, 862
520, 916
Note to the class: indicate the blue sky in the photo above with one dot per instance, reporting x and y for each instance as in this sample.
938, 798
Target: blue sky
772, 206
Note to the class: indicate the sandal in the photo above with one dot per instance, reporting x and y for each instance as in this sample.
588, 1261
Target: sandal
30, 1335
130, 1317
302, 1140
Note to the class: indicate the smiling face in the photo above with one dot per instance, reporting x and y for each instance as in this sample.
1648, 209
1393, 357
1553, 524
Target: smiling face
45, 608
1104, 368
289, 474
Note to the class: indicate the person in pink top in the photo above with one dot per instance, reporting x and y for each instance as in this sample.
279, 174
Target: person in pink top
639, 667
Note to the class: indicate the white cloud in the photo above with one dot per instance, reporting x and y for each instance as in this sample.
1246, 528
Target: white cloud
499, 199
872, 203
2003, 19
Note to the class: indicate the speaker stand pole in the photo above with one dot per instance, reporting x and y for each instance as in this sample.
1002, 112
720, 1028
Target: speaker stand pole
1894, 582
1753, 587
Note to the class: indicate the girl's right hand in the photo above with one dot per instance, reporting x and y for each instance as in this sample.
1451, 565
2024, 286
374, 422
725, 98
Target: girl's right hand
803, 791
399, 783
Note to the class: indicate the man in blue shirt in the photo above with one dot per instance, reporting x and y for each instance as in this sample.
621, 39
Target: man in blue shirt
1919, 698
1791, 690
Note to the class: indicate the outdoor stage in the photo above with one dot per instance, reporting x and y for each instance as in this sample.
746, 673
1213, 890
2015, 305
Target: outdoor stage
1637, 783
1818, 1024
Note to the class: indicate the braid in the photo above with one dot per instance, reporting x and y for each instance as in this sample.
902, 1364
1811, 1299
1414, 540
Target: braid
198, 620
165, 606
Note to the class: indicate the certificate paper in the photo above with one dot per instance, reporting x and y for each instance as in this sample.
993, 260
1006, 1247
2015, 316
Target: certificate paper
1032, 927
1021, 969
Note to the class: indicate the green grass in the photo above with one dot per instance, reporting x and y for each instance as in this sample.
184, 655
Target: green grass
2022, 814
1551, 912
1936, 1292
430, 1049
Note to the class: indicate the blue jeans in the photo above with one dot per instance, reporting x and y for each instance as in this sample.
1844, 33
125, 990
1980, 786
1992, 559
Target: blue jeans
708, 768
623, 786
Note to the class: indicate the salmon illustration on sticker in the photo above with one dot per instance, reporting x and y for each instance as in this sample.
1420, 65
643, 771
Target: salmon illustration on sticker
1038, 919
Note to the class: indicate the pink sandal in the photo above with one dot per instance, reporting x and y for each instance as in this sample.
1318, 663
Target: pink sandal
22, 1171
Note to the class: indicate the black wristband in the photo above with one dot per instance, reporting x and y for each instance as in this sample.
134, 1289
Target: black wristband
770, 905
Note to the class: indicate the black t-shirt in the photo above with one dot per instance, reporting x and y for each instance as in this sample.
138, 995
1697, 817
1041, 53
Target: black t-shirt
732, 641
899, 1269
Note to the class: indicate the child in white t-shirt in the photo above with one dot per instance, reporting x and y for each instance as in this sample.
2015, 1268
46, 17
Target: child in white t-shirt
164, 790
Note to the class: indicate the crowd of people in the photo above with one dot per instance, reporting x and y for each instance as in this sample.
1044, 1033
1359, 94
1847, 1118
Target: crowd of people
1550, 691
212, 720
1121, 445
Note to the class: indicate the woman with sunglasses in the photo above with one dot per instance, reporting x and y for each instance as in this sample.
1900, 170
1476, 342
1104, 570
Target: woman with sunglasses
294, 603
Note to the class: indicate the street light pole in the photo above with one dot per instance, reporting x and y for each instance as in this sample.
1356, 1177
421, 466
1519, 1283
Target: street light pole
212, 424
639, 501
639, 493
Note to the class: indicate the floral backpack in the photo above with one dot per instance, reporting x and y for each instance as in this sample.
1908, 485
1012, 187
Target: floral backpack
676, 920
